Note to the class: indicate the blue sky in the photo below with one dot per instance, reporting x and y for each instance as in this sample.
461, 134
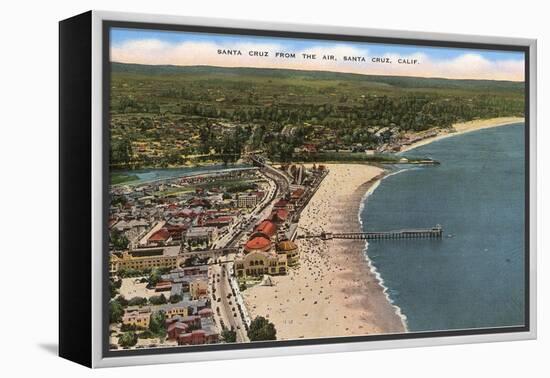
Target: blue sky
168, 47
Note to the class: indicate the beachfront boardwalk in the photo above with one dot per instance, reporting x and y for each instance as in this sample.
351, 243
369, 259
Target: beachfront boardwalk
420, 233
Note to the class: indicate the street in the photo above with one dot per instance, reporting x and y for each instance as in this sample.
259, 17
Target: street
224, 303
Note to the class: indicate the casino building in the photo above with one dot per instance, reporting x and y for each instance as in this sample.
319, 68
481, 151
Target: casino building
266, 252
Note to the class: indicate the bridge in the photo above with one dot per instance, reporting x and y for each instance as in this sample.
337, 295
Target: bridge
281, 178
420, 233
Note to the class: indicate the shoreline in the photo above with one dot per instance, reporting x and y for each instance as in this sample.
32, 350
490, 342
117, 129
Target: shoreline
335, 291
369, 191
463, 128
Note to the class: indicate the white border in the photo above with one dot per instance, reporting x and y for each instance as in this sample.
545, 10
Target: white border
97, 191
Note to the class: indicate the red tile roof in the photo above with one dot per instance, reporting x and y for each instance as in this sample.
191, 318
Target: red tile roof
267, 227
257, 243
310, 147
281, 203
163, 284
297, 193
161, 235
199, 202
219, 220
176, 227
177, 325
279, 215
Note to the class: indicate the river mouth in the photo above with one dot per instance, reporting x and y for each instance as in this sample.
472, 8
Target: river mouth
141, 176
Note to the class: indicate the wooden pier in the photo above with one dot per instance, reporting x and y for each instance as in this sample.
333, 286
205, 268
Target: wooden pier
422, 233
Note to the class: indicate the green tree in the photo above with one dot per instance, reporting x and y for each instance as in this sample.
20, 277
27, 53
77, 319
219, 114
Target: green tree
158, 299
119, 240
155, 276
113, 287
128, 339
261, 329
175, 298
137, 301
206, 137
115, 311
121, 152
122, 300
157, 324
147, 334
229, 336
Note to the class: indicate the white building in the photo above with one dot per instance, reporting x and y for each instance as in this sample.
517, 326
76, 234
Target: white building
247, 200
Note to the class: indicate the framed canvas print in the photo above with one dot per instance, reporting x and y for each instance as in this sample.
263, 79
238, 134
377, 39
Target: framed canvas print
232, 189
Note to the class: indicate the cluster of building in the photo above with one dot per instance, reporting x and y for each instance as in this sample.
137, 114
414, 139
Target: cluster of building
177, 225
392, 139
192, 280
174, 136
189, 320
160, 139
270, 248
158, 226
193, 329
187, 323
140, 316
380, 139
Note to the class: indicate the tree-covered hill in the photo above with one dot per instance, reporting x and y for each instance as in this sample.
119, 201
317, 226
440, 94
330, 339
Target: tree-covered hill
397, 81
168, 115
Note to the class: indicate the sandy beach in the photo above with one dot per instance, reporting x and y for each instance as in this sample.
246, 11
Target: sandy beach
465, 127
333, 291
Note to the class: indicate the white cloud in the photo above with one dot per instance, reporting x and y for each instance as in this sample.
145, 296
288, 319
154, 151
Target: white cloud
466, 66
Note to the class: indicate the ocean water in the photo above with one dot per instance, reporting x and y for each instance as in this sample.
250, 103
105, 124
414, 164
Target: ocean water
474, 276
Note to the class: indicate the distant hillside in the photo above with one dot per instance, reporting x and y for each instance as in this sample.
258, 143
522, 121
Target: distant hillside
170, 115
396, 81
